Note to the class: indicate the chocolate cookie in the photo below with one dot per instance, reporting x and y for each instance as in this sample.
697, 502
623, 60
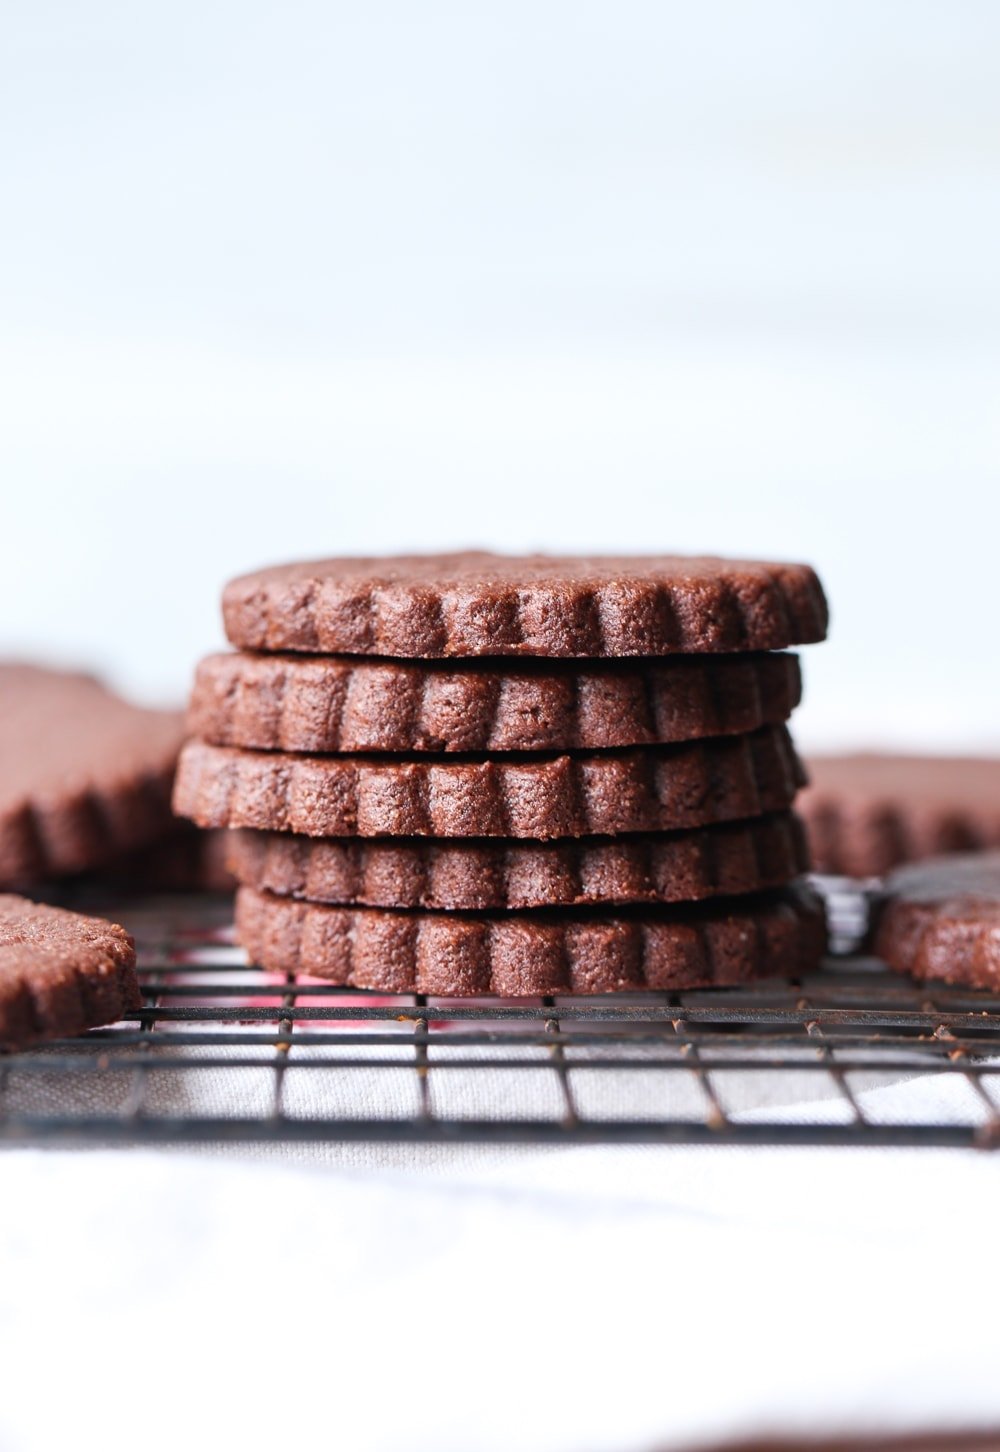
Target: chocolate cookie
329, 703
865, 814
461, 955
84, 775
60, 973
189, 860
707, 862
941, 919
643, 790
476, 603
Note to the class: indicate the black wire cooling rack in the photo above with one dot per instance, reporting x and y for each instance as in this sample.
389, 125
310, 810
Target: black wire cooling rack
222, 1052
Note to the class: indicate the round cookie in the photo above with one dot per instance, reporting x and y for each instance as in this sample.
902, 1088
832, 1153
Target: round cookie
60, 972
480, 604
329, 703
643, 790
517, 954
941, 919
84, 775
706, 862
867, 813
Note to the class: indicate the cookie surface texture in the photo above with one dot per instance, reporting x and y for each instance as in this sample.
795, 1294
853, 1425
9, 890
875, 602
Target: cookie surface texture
479, 604
60, 972
517, 954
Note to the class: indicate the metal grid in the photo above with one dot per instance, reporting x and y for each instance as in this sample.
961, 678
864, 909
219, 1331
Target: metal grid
224, 1053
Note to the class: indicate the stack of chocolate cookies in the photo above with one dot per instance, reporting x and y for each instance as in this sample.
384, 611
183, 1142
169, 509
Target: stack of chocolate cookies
470, 774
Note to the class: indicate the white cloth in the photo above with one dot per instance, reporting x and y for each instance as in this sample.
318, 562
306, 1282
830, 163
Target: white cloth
380, 1297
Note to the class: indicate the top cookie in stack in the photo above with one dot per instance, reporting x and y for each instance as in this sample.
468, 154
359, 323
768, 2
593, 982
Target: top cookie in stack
463, 774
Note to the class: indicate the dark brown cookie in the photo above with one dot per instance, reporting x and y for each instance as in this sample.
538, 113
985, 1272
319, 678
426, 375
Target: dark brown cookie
189, 860
60, 973
647, 789
941, 919
475, 603
84, 775
458, 955
865, 814
722, 861
213, 872
329, 703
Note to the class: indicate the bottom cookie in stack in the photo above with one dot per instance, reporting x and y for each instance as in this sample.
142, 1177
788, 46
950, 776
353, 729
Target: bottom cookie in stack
536, 952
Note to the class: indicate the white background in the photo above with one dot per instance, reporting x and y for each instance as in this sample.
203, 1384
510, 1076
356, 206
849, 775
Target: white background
295, 279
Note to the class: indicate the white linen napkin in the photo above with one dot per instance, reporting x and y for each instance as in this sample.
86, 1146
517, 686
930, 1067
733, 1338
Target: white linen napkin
380, 1297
